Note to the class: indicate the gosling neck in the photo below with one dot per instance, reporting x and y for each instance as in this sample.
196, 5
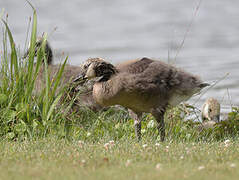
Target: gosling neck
49, 54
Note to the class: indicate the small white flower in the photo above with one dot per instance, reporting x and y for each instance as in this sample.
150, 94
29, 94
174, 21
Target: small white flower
227, 145
157, 144
128, 162
158, 166
117, 126
107, 145
201, 168
81, 143
145, 145
227, 141
112, 142
88, 134
83, 162
182, 157
232, 165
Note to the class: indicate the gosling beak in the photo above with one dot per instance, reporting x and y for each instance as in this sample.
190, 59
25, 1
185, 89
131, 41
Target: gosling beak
26, 54
80, 79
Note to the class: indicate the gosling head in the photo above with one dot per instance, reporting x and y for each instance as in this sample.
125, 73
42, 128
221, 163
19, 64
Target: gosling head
97, 67
211, 110
48, 50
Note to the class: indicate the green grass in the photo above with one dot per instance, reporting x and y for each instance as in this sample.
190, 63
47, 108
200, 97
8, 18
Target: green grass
60, 159
40, 140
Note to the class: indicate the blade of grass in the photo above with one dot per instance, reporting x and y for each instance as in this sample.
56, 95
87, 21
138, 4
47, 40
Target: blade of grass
40, 56
32, 45
210, 87
188, 29
46, 103
13, 53
55, 102
58, 77
29, 78
5, 65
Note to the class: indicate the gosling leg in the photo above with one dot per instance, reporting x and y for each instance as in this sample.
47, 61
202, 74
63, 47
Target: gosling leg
137, 117
159, 116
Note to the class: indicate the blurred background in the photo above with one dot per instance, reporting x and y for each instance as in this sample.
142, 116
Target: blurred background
122, 30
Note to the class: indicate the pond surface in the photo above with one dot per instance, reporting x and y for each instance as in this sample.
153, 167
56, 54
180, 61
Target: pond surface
122, 30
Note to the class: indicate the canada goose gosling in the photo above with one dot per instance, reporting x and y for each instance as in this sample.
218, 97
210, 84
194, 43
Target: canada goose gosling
211, 110
48, 50
145, 85
69, 74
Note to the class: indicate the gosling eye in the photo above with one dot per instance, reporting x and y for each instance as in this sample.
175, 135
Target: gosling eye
86, 66
210, 110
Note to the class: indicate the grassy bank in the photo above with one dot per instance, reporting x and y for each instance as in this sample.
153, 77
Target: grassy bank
40, 139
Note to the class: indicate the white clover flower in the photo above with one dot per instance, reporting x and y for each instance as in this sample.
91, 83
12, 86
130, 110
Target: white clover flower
232, 165
157, 144
128, 162
227, 143
83, 161
88, 134
106, 146
158, 166
145, 145
81, 143
201, 168
112, 142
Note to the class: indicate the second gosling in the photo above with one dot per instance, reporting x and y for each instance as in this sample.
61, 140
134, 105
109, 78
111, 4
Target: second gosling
69, 74
211, 110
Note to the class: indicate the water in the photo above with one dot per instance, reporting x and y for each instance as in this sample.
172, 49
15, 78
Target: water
122, 30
